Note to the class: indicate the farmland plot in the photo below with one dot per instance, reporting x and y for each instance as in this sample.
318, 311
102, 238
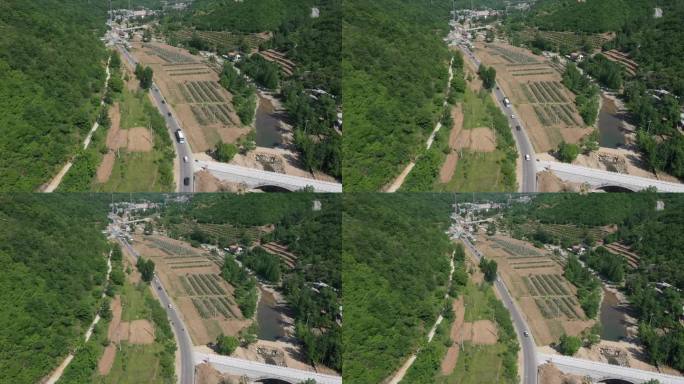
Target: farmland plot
206, 102
208, 296
552, 296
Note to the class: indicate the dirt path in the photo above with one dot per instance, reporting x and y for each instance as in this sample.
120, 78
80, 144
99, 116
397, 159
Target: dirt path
57, 180
451, 357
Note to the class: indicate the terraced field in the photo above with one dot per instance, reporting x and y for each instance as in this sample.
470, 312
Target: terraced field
568, 231
568, 39
551, 105
208, 296
168, 55
552, 296
221, 41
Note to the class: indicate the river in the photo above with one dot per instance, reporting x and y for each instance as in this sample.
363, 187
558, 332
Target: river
610, 125
612, 318
267, 124
269, 318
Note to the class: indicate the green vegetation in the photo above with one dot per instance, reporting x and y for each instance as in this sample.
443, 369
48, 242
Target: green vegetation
488, 268
587, 94
263, 72
395, 74
244, 94
264, 264
146, 269
226, 345
569, 345
54, 266
225, 152
606, 72
245, 286
51, 78
588, 286
424, 174
609, 265
488, 76
395, 273
144, 75
567, 153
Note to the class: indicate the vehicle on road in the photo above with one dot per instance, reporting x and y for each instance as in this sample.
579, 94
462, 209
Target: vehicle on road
179, 136
506, 101
169, 305
169, 113
517, 127
513, 117
163, 101
526, 334
186, 181
527, 157
185, 159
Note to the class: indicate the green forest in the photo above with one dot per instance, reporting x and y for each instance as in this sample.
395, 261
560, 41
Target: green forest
51, 77
395, 272
54, 266
395, 74
312, 235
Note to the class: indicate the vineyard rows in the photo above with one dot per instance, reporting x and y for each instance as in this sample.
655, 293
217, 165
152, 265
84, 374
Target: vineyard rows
213, 306
551, 296
569, 39
172, 249
568, 231
513, 56
184, 266
169, 56
202, 284
222, 41
515, 249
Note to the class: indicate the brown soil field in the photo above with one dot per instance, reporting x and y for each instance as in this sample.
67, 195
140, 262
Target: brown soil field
169, 77
206, 182
139, 140
140, 332
451, 357
190, 261
512, 74
550, 374
115, 139
449, 166
477, 139
107, 358
518, 260
481, 332
547, 181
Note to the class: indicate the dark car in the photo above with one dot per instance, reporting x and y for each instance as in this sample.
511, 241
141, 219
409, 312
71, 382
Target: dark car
517, 127
163, 101
169, 113
186, 181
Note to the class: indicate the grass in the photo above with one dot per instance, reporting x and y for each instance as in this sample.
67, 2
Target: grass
475, 113
477, 304
132, 112
477, 172
134, 364
134, 172
133, 302
477, 364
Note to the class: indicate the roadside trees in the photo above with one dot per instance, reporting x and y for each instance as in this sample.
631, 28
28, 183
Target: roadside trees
226, 345
569, 345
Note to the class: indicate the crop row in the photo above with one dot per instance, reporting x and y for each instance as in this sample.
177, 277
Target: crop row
202, 284
553, 307
533, 266
553, 114
172, 249
169, 56
512, 56
532, 73
189, 266
545, 285
211, 113
213, 306
517, 249
204, 72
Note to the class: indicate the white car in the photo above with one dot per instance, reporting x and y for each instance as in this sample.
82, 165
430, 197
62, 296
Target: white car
527, 157
185, 159
513, 117
526, 334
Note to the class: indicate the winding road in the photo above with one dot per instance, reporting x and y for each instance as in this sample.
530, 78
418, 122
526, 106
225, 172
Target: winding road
522, 141
527, 344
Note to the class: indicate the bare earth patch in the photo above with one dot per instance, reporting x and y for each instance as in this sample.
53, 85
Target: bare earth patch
449, 166
141, 332
451, 357
115, 140
480, 332
477, 139
107, 358
139, 140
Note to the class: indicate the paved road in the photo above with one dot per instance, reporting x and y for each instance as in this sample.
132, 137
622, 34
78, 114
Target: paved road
600, 178
529, 173
183, 151
187, 374
259, 178
601, 371
529, 348
256, 370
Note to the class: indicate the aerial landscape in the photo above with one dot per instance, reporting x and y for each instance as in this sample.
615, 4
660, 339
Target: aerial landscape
508, 288
329, 191
205, 288
513, 95
165, 96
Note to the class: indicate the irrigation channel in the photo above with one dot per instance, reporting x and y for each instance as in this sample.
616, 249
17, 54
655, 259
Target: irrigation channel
610, 125
267, 123
269, 317
612, 317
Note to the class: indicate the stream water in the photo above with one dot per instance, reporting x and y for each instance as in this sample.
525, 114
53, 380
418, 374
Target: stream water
268, 318
267, 124
612, 318
609, 123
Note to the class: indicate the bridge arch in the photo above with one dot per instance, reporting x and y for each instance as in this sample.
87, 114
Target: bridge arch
616, 381
272, 188
267, 380
607, 187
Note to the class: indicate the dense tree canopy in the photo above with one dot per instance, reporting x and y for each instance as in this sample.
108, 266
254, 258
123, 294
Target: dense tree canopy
395, 271
51, 71
53, 260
